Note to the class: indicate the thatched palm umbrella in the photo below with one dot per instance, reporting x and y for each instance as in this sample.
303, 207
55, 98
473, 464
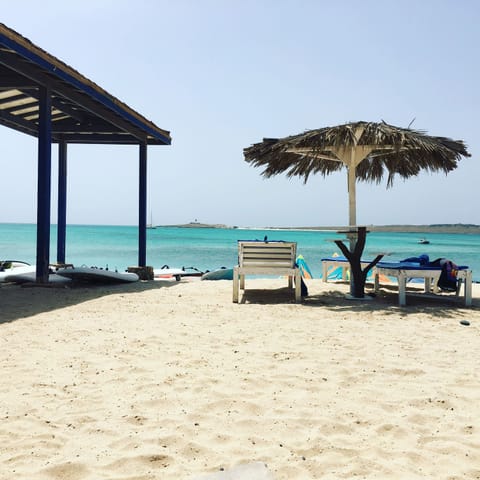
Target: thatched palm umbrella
368, 150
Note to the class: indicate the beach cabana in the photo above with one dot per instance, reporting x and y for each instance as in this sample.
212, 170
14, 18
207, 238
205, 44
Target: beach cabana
45, 98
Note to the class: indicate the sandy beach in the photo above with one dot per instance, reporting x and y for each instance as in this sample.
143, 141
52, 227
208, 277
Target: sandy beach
171, 380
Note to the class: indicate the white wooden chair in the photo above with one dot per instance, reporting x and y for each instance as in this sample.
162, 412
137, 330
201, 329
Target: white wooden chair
266, 258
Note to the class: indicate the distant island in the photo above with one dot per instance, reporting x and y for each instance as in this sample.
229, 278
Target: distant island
434, 228
198, 225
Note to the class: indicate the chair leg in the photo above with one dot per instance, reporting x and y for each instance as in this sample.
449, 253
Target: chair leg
298, 287
324, 271
402, 287
468, 288
235, 285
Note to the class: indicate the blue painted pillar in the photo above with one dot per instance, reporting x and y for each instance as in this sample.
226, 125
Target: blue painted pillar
44, 185
62, 201
142, 207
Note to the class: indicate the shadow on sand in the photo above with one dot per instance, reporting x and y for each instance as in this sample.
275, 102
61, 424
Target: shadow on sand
20, 301
384, 302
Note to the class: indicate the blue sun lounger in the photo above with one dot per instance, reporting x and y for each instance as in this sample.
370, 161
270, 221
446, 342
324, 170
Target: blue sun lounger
403, 271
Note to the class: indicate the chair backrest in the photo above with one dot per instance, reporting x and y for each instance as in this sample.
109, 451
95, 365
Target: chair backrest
268, 254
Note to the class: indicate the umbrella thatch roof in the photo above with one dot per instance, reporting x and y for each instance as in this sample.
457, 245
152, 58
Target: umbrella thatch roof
379, 149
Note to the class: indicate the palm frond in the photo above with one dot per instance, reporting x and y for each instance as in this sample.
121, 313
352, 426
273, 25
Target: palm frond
396, 151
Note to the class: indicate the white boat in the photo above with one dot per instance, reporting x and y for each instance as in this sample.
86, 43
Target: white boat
150, 225
96, 275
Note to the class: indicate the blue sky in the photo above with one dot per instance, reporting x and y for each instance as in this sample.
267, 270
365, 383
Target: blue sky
221, 75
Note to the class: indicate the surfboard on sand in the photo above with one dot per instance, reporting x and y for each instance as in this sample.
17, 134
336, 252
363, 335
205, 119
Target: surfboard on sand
6, 274
166, 273
31, 277
8, 264
177, 273
96, 275
219, 274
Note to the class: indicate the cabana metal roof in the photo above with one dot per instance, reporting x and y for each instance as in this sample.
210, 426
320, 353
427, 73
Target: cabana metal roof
82, 112
43, 97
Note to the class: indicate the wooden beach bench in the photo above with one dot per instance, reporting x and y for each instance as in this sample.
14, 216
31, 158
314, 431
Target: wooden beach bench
403, 272
266, 258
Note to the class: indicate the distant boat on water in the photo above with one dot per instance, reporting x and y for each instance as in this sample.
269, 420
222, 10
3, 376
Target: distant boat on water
150, 225
424, 241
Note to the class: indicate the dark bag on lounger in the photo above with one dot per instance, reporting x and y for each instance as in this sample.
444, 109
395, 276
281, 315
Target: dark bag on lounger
448, 277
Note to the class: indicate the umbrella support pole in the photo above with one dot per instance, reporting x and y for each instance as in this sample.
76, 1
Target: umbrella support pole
358, 275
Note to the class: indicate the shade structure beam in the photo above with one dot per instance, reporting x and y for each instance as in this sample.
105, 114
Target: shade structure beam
19, 123
30, 97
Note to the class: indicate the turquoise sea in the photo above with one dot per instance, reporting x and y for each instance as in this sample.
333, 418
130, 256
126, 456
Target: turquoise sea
211, 248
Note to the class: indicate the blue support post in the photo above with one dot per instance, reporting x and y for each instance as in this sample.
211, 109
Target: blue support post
62, 202
142, 207
44, 185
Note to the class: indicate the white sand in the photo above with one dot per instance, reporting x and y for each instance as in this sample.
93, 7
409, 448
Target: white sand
167, 380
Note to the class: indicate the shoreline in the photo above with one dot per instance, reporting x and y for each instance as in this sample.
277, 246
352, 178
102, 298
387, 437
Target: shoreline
446, 228
421, 229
